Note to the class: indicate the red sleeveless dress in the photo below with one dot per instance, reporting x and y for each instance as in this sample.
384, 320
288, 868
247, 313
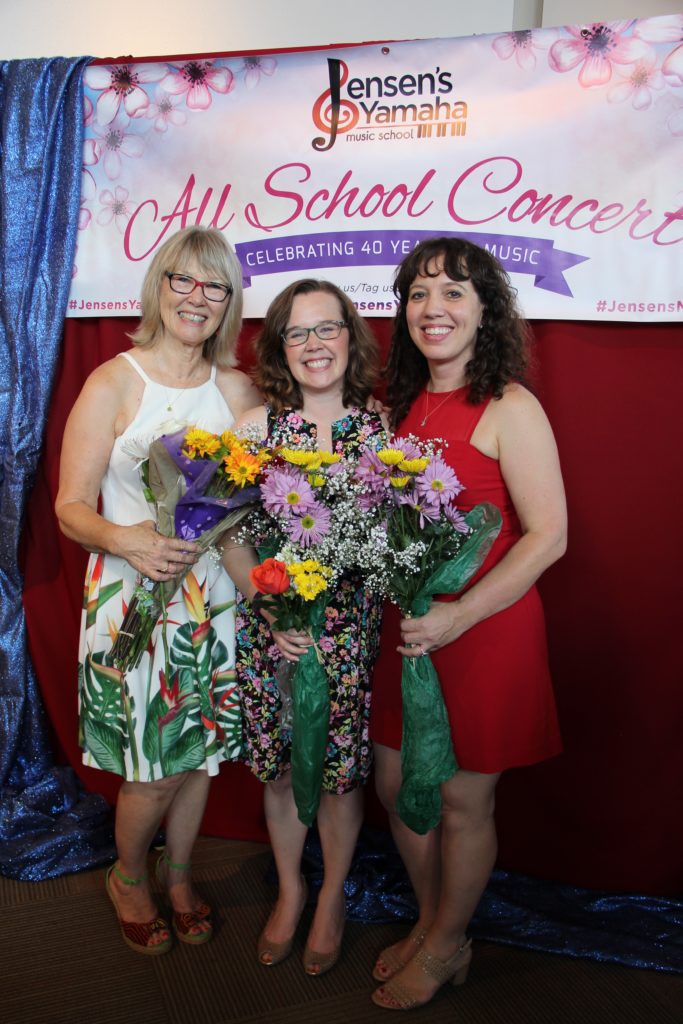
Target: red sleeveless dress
495, 678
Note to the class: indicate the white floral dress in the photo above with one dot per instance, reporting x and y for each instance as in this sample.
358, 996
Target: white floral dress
178, 709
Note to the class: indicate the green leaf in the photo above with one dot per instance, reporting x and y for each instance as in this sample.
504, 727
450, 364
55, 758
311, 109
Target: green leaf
104, 594
188, 753
216, 609
104, 743
150, 737
171, 730
182, 651
101, 694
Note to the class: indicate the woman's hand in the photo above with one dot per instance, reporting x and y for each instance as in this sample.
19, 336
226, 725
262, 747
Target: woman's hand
292, 643
158, 557
376, 405
442, 624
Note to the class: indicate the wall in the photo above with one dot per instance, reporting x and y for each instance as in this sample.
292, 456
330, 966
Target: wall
36, 28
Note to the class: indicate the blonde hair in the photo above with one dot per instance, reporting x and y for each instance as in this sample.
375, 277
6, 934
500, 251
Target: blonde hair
216, 259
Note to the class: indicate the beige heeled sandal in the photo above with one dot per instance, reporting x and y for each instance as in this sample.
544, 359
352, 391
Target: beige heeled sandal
276, 952
389, 963
395, 995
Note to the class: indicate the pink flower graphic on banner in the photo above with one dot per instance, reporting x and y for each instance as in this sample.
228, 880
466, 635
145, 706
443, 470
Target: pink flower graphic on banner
88, 188
197, 78
115, 207
88, 111
115, 142
91, 153
668, 29
596, 47
670, 110
88, 192
164, 111
254, 67
519, 44
636, 84
122, 84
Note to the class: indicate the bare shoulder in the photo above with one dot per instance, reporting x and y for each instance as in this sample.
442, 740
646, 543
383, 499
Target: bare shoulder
238, 390
510, 420
518, 406
110, 384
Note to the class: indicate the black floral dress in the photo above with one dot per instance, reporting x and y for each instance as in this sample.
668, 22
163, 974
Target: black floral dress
349, 643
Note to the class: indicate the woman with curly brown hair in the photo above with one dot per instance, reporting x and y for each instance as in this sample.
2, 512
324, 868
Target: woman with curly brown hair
316, 364
456, 372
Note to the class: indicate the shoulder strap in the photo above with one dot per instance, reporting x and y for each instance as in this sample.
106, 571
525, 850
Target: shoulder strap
136, 366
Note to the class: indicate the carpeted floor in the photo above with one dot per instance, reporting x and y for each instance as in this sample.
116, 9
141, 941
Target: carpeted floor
63, 962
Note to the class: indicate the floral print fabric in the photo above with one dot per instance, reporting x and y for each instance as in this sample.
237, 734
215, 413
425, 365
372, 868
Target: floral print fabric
349, 644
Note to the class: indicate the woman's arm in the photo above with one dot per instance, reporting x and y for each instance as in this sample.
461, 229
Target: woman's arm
238, 391
99, 415
520, 432
238, 561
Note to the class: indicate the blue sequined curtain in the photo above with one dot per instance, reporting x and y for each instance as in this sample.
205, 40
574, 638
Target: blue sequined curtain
47, 825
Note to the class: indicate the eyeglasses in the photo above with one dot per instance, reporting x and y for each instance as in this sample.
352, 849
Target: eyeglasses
183, 284
328, 330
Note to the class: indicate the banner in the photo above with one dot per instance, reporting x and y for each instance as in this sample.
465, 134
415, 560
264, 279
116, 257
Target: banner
559, 150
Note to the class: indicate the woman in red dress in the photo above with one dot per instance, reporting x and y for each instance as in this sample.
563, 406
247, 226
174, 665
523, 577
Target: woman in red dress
456, 371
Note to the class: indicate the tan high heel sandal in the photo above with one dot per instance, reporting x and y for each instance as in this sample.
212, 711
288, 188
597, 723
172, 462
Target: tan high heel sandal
279, 951
396, 995
389, 963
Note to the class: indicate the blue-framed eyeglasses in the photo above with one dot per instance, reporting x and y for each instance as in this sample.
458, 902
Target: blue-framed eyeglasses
327, 330
183, 284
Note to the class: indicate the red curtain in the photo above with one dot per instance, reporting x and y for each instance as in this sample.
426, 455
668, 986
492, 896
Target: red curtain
606, 814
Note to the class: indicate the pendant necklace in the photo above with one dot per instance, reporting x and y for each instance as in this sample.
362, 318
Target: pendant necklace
443, 401
172, 401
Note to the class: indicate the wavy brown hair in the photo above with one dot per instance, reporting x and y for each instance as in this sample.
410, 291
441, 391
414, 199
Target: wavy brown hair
272, 375
217, 261
501, 350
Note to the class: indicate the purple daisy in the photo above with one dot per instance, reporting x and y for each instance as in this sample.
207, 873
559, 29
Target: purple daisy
311, 527
409, 448
287, 491
374, 476
456, 519
427, 508
438, 479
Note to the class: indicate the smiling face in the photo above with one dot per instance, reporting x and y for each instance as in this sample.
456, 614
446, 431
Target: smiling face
317, 365
443, 317
190, 319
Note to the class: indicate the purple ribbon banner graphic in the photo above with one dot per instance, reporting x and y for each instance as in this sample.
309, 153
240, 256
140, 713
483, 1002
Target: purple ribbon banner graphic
295, 253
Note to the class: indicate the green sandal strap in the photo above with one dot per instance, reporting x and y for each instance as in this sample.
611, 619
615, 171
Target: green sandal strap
176, 867
125, 879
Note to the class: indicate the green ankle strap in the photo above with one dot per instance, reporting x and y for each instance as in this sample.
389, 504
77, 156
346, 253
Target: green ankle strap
176, 867
125, 879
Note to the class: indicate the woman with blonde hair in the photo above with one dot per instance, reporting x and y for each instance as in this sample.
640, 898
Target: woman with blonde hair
167, 724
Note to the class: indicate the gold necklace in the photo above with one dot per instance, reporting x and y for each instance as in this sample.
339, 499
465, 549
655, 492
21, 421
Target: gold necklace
172, 401
442, 402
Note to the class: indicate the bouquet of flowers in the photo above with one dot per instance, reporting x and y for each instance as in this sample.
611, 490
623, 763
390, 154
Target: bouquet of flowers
296, 594
200, 484
421, 545
309, 530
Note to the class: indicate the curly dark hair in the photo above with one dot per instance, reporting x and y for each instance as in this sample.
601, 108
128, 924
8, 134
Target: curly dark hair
501, 350
272, 375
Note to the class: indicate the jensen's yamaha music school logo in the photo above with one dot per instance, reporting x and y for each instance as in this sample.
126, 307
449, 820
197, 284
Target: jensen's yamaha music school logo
389, 108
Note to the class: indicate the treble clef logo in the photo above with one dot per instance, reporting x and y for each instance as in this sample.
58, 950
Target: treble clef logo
332, 114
